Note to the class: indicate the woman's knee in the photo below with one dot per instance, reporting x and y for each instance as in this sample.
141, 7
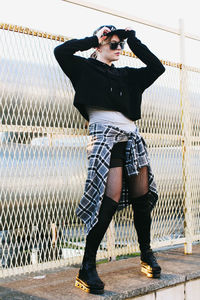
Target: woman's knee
113, 195
138, 184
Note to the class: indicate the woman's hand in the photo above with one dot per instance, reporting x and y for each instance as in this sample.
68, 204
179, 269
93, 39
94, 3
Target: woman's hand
100, 33
129, 29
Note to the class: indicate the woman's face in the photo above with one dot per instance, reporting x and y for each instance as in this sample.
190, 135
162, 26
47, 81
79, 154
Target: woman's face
106, 53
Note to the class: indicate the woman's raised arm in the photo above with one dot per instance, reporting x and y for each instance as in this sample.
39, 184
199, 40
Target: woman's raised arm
72, 64
144, 75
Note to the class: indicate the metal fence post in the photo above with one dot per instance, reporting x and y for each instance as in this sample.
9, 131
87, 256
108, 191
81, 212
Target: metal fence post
186, 144
111, 240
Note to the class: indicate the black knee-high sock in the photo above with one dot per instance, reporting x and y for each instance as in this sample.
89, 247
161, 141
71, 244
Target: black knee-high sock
96, 234
142, 221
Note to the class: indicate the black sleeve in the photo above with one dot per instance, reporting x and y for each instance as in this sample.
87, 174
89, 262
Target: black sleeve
72, 64
145, 76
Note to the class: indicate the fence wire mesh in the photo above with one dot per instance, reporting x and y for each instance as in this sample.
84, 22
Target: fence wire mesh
43, 160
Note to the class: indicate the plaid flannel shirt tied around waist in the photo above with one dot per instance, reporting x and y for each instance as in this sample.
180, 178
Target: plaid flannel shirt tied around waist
102, 139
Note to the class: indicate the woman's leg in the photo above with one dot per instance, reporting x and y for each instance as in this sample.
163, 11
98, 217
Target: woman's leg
107, 210
139, 194
114, 183
138, 184
88, 279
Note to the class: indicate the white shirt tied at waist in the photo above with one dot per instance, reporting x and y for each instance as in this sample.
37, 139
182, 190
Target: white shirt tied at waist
115, 118
103, 138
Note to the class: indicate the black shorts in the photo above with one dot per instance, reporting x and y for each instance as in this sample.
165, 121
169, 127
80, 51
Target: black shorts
118, 155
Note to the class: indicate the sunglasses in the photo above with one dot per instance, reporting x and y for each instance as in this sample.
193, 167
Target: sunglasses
114, 45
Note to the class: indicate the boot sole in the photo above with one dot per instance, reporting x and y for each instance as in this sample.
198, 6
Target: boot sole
149, 272
86, 288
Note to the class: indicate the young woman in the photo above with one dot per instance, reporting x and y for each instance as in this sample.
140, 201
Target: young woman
119, 171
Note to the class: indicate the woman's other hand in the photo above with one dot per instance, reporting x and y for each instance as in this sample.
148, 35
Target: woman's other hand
128, 31
128, 28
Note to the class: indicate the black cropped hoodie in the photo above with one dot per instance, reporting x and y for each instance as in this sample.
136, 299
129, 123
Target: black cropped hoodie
108, 87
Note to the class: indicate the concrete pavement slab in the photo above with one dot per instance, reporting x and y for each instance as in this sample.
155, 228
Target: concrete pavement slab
122, 279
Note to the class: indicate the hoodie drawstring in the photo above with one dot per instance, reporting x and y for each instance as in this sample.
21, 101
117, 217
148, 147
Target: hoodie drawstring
108, 73
119, 84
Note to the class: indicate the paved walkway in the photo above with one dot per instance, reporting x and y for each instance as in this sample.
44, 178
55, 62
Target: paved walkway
122, 278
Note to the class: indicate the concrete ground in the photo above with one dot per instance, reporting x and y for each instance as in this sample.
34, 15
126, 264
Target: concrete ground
122, 279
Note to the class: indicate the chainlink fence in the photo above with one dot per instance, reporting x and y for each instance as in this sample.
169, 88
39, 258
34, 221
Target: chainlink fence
43, 160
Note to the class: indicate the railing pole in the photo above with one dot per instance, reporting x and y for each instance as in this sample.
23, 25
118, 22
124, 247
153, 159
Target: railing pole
111, 240
186, 144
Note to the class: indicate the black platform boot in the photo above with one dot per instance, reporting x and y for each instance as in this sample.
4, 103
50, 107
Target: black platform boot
88, 279
142, 222
149, 264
